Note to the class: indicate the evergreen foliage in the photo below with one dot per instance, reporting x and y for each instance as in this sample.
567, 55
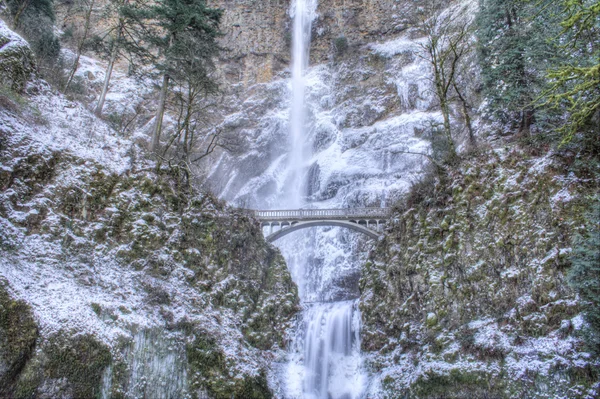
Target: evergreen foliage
122, 39
514, 52
35, 20
575, 82
540, 63
173, 28
126, 34
584, 275
184, 33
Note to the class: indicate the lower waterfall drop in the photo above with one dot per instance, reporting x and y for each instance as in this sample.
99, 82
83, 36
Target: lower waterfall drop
325, 359
332, 351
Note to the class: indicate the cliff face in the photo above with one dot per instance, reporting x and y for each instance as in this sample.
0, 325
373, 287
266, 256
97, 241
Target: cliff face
258, 33
255, 48
467, 295
117, 278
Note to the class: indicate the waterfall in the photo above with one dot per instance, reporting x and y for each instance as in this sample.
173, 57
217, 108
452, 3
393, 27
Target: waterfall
303, 13
325, 361
332, 351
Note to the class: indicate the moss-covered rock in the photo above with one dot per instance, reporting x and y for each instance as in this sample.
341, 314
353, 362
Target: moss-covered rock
209, 370
468, 291
81, 360
66, 365
18, 336
16, 60
150, 223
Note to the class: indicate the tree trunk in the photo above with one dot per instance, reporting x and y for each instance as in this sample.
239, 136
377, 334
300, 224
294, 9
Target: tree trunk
187, 139
86, 29
441, 89
526, 121
465, 112
160, 113
19, 12
447, 129
109, 70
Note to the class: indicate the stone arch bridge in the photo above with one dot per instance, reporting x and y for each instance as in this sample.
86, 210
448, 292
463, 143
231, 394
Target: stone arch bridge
368, 221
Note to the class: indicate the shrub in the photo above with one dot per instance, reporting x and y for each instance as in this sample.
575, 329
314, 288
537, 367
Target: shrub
81, 360
97, 308
18, 335
340, 45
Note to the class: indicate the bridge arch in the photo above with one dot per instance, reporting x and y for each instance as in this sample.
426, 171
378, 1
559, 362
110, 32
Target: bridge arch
361, 228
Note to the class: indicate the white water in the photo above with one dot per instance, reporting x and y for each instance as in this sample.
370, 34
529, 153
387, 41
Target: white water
332, 351
303, 13
325, 361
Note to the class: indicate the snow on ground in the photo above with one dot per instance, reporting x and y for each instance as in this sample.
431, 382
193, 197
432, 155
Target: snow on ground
59, 124
399, 45
13, 39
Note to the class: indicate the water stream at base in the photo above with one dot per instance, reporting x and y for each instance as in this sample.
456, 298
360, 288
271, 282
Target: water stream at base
325, 360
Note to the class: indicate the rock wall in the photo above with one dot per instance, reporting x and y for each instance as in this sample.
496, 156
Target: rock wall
256, 47
16, 60
370, 104
133, 254
257, 34
467, 295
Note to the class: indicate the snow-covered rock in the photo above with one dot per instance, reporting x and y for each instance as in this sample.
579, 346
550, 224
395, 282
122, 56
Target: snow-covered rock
16, 59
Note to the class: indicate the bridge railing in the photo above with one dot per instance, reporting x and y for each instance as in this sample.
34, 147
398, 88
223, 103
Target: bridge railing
320, 214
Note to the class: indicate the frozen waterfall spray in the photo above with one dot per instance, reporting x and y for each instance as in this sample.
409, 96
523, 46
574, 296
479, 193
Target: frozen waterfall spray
325, 359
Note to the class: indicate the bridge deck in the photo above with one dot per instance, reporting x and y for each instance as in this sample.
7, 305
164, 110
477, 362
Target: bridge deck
322, 214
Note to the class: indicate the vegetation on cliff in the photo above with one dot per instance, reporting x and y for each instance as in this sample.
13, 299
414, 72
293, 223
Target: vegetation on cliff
468, 296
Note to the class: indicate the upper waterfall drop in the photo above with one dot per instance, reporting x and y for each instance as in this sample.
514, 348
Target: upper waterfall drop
303, 13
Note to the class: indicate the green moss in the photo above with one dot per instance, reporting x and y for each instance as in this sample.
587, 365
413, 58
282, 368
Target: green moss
29, 380
155, 225
80, 359
340, 45
457, 384
96, 308
205, 360
16, 66
209, 367
255, 388
18, 336
472, 258
124, 309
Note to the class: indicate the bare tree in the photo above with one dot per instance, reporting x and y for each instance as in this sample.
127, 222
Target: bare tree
193, 95
88, 7
123, 39
447, 33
